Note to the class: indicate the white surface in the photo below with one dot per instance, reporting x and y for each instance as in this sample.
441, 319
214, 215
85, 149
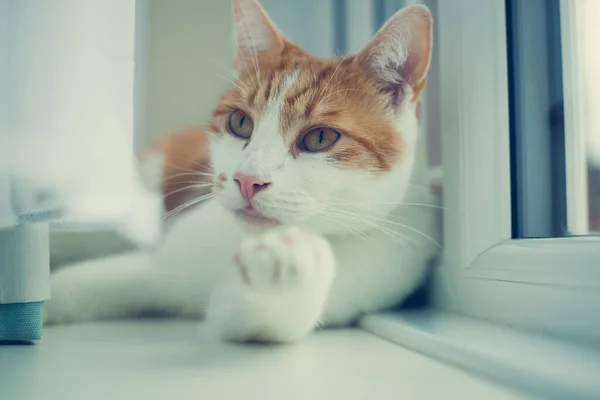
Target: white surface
475, 123
475, 137
573, 263
177, 360
540, 365
551, 285
532, 284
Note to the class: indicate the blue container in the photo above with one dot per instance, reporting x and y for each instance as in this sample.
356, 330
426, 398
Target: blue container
21, 321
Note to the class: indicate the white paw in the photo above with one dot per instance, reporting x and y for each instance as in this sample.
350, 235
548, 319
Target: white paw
281, 259
278, 289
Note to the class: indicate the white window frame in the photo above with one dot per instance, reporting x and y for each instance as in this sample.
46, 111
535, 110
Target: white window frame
546, 288
541, 284
578, 120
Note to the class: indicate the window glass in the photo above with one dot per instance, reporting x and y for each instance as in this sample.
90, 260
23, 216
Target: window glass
554, 78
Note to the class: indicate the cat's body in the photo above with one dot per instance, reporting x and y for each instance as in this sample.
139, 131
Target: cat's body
321, 213
178, 279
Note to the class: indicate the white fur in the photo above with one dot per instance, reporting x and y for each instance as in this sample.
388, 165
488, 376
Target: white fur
287, 272
351, 242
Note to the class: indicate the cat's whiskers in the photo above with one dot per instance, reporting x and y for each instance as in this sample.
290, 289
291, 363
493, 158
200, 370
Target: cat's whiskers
333, 74
187, 204
357, 204
255, 82
207, 170
351, 50
335, 218
375, 222
361, 219
334, 214
242, 86
189, 187
399, 224
201, 176
184, 169
339, 91
410, 228
396, 203
220, 65
196, 163
237, 85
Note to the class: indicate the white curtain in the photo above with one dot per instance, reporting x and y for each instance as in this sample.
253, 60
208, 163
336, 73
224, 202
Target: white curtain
66, 129
7, 218
71, 105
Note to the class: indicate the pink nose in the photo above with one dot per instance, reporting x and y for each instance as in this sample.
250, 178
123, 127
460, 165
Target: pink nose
249, 184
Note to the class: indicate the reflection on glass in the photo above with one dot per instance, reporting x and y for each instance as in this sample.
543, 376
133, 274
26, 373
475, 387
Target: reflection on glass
582, 118
592, 74
554, 78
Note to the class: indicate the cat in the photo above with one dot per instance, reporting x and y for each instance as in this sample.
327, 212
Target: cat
317, 213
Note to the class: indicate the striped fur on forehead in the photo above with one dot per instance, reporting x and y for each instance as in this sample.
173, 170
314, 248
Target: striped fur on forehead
337, 93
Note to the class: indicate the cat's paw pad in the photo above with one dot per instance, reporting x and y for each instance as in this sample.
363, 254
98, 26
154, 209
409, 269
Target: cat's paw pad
282, 259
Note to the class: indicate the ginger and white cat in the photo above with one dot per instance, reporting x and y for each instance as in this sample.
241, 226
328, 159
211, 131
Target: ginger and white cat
318, 216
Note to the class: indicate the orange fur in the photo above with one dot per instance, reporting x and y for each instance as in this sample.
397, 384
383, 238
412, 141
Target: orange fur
336, 93
184, 152
332, 92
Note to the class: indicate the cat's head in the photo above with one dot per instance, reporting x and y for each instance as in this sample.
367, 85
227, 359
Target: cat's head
319, 142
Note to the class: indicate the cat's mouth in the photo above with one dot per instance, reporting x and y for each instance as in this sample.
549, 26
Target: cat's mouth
254, 218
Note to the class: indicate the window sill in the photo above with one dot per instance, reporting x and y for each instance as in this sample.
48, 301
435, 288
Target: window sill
534, 363
543, 285
173, 359
177, 359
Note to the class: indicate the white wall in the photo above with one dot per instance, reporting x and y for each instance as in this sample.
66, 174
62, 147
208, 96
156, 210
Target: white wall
308, 23
189, 45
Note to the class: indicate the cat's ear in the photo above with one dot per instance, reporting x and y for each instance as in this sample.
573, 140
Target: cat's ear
400, 52
254, 33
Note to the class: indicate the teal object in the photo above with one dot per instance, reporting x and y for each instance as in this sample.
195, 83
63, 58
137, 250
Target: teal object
21, 321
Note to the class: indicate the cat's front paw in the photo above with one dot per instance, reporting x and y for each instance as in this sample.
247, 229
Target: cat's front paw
282, 259
278, 288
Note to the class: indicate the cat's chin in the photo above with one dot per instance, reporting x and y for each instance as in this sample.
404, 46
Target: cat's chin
254, 221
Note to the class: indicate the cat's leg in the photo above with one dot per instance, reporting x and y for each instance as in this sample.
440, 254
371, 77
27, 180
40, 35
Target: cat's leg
116, 287
277, 290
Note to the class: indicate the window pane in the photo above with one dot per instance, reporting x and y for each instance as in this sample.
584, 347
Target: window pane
554, 86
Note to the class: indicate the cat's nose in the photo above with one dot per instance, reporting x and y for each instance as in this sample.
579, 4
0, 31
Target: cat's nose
249, 184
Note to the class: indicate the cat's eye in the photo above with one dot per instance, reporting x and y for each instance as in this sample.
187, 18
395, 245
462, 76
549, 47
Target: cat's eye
319, 139
240, 124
